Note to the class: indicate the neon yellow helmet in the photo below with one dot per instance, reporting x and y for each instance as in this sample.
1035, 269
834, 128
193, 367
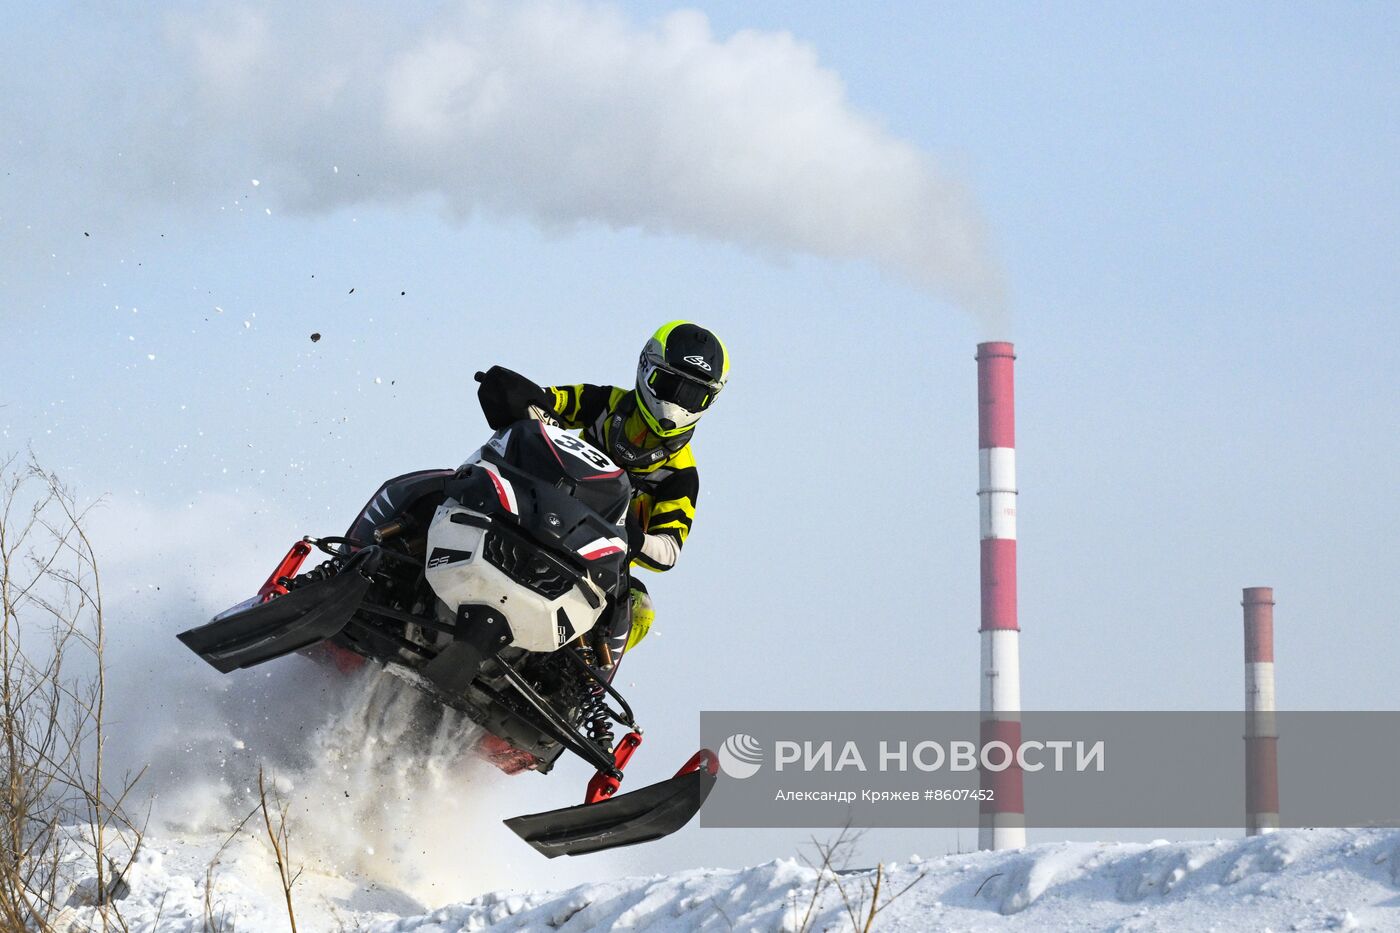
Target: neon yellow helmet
682, 370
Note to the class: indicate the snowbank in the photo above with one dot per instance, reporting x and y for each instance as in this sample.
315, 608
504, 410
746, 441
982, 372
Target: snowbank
379, 786
1292, 880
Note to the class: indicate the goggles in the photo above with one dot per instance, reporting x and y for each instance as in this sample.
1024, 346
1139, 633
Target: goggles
678, 388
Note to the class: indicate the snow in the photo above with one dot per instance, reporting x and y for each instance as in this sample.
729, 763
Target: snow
1290, 880
395, 828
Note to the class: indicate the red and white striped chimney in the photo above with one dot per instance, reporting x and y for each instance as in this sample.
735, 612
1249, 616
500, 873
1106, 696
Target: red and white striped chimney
1261, 726
1002, 822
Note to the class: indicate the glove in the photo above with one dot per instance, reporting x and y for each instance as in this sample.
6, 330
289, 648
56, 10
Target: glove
636, 535
506, 397
643, 614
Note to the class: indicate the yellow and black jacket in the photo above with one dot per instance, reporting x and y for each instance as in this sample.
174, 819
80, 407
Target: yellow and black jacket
665, 488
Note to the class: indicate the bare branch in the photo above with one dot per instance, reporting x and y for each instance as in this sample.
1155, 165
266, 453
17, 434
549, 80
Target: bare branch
52, 729
280, 846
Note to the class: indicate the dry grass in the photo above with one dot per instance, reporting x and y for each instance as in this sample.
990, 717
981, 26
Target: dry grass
215, 920
860, 897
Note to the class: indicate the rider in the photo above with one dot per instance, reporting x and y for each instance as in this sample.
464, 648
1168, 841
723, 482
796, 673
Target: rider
646, 430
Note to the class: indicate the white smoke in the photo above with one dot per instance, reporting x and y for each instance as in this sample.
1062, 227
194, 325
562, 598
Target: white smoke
567, 112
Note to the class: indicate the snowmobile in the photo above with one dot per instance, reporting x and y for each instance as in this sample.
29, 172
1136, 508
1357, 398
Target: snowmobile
491, 587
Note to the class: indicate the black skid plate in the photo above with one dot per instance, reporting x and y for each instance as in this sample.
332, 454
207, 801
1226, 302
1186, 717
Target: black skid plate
284, 624
628, 819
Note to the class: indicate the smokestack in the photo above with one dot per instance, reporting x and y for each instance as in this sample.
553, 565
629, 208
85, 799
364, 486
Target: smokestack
1002, 821
1261, 728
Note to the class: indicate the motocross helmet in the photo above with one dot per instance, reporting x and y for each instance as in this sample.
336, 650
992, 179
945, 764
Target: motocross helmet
681, 372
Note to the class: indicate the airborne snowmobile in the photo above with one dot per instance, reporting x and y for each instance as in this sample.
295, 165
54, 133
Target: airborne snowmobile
490, 587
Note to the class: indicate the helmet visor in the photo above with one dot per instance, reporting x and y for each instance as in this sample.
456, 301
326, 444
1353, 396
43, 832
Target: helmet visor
679, 389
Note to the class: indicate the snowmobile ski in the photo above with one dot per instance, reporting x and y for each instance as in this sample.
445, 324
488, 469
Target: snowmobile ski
254, 632
639, 816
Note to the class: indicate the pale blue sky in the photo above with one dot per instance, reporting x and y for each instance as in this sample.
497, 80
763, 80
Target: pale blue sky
1196, 212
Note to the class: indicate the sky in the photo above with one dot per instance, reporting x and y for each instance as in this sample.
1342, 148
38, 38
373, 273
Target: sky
1186, 217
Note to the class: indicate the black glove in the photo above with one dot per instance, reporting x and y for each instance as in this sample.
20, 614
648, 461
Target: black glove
506, 397
636, 535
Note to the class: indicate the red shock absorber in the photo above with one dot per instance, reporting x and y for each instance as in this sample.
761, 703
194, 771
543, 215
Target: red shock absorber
288, 568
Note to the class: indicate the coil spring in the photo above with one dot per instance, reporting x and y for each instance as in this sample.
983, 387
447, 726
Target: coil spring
597, 720
325, 570
593, 712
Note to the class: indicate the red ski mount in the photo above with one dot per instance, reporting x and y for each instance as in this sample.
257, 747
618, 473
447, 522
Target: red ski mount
705, 759
604, 785
608, 820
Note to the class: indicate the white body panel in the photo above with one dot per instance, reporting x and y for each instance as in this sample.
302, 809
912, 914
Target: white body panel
463, 575
996, 492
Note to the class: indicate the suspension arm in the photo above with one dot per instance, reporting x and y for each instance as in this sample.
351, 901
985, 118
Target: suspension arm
561, 731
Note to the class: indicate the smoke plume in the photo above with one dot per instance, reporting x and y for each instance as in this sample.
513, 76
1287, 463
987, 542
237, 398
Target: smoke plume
563, 112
